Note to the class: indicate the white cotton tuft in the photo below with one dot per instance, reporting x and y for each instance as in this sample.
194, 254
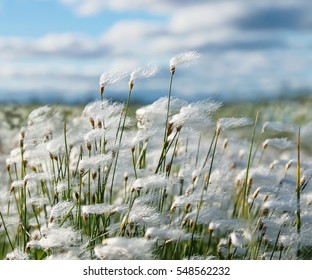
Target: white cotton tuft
278, 127
145, 215
228, 123
17, 255
59, 238
167, 234
119, 248
280, 143
39, 114
111, 76
184, 59
95, 162
150, 183
61, 209
101, 208
196, 114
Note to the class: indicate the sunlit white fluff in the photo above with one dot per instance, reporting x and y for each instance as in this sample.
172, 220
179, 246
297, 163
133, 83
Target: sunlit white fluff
119, 248
240, 238
103, 111
224, 225
184, 59
38, 201
228, 123
40, 176
280, 143
111, 76
171, 234
17, 255
153, 116
57, 238
143, 72
278, 127
37, 155
146, 215
61, 209
56, 146
94, 162
205, 216
150, 183
14, 157
39, 114
101, 208
18, 184
196, 114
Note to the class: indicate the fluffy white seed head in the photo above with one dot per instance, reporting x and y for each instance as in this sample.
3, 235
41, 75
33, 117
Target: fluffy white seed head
119, 248
280, 143
144, 72
228, 123
152, 182
278, 127
183, 59
111, 76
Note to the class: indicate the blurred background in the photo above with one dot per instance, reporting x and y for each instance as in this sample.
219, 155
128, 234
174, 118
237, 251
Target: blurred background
54, 51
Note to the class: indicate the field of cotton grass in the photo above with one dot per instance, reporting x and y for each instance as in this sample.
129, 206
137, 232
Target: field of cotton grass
177, 180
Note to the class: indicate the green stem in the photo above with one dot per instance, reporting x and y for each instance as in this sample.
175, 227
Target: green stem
120, 138
6, 232
245, 186
205, 186
67, 162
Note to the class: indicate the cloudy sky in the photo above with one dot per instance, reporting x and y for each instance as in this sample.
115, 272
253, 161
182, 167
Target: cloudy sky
56, 50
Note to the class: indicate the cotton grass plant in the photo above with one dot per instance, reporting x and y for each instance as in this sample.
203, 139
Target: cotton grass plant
175, 181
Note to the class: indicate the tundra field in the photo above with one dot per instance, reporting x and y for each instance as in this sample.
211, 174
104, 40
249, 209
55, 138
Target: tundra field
167, 180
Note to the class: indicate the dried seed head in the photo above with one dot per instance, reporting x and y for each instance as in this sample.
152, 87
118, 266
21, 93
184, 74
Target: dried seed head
169, 128
92, 122
302, 181
8, 168
21, 143
168, 241
250, 180
88, 144
22, 136
187, 207
264, 212
255, 194
230, 240
191, 223
126, 177
131, 84
85, 217
183, 59
288, 165
101, 89
225, 143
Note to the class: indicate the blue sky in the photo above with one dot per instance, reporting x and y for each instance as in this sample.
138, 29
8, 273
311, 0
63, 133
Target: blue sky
56, 50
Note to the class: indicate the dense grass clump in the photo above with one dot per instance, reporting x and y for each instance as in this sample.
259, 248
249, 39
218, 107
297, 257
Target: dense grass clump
177, 180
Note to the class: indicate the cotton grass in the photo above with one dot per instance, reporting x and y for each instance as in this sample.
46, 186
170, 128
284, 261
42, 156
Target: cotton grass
174, 180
